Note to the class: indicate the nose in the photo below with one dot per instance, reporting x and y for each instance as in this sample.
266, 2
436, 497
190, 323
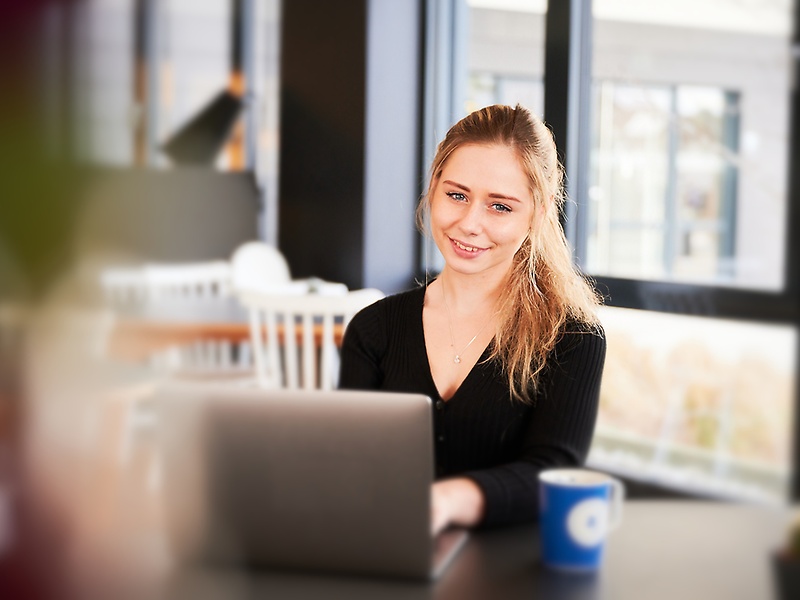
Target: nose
471, 222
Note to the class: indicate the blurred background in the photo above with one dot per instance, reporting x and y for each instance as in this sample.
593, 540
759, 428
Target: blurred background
171, 132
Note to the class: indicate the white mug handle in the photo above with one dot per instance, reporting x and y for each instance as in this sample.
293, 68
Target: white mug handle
616, 503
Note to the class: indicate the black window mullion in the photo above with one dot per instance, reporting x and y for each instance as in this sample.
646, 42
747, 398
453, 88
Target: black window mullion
567, 106
699, 300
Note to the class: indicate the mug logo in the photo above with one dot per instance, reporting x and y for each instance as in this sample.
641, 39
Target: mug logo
587, 522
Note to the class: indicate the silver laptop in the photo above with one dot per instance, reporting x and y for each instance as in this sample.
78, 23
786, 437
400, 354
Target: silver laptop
315, 481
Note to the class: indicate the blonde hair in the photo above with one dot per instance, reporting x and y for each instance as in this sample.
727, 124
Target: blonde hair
545, 292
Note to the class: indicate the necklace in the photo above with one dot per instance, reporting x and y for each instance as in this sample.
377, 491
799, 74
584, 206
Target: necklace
457, 355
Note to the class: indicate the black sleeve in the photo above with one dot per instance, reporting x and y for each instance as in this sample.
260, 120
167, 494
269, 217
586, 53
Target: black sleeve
559, 432
363, 346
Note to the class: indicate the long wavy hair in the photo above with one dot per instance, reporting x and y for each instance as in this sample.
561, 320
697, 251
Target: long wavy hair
546, 294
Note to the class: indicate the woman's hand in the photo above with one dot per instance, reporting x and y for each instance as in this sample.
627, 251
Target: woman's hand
455, 502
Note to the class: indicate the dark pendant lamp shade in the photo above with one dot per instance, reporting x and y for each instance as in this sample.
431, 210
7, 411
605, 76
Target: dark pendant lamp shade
199, 141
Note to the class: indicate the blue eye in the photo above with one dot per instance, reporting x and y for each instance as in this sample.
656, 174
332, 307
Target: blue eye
457, 196
501, 207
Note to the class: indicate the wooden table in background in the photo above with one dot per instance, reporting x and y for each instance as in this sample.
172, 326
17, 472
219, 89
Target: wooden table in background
135, 340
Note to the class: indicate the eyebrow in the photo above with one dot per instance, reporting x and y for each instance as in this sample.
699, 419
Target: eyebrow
492, 195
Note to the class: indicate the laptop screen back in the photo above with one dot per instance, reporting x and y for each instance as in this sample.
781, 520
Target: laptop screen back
324, 481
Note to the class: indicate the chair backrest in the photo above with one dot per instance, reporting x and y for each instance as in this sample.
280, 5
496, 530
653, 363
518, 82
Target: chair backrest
294, 337
191, 292
188, 280
123, 287
259, 266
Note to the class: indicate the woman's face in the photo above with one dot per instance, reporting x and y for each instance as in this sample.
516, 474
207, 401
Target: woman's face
481, 209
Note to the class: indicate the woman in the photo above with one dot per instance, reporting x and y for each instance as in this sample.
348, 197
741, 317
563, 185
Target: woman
505, 341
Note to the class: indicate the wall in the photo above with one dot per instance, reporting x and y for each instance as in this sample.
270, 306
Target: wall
348, 154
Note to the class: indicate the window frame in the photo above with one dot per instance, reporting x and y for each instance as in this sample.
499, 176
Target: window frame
568, 41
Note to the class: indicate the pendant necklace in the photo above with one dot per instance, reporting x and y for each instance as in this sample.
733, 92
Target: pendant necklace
457, 355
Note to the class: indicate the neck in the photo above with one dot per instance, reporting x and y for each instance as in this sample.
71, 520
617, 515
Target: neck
468, 294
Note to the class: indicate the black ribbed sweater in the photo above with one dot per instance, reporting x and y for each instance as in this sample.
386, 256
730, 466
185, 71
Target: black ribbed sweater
479, 432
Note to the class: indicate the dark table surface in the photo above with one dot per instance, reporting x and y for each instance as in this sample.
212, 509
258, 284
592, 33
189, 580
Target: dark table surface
677, 550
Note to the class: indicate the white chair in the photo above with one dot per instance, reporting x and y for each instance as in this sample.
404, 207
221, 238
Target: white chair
179, 292
259, 266
123, 288
300, 362
135, 288
188, 280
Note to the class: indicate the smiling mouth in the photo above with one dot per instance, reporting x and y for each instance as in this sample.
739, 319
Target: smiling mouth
466, 248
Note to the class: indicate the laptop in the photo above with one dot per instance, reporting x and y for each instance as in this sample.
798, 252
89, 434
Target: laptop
329, 482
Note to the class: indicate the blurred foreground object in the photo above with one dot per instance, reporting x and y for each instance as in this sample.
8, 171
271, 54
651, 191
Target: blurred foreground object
786, 563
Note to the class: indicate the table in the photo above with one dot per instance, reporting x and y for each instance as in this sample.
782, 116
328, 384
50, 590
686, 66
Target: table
670, 550
180, 321
134, 340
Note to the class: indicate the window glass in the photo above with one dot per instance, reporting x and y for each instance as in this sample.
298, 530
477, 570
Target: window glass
187, 43
702, 405
629, 165
705, 184
103, 39
663, 194
506, 54
688, 183
689, 143
194, 60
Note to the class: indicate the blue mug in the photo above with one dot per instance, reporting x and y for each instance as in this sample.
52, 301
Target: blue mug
577, 509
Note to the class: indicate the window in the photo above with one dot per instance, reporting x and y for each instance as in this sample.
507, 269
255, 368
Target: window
662, 201
103, 40
697, 404
489, 88
686, 209
689, 153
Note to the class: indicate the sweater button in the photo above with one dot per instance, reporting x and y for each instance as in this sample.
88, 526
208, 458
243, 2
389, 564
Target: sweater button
440, 438
439, 405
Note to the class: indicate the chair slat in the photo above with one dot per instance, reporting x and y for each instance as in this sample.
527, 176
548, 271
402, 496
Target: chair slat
257, 344
290, 351
309, 353
327, 374
318, 363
